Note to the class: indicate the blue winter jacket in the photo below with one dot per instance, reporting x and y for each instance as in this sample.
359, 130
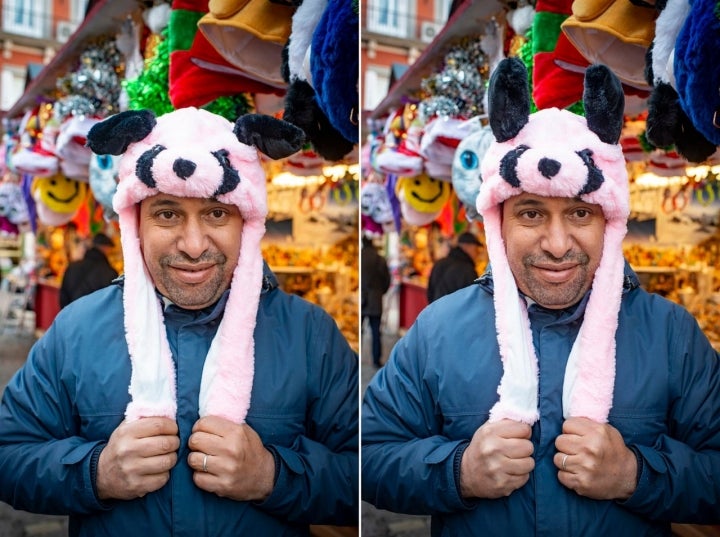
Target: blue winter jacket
72, 393
421, 410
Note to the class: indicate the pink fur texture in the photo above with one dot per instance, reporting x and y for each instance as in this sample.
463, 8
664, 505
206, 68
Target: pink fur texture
199, 137
561, 136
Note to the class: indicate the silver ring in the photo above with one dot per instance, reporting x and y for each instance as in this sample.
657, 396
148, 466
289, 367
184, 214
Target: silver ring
563, 462
205, 462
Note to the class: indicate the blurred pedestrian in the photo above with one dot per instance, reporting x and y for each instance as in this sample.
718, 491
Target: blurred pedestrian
90, 273
457, 269
375, 282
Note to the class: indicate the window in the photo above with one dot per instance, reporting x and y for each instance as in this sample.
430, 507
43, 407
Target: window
77, 10
12, 86
442, 10
375, 88
27, 17
389, 17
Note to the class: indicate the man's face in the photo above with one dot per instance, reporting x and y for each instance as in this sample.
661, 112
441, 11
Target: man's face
553, 245
190, 247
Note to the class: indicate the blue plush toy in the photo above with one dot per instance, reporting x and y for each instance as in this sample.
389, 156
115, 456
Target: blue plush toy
334, 65
697, 71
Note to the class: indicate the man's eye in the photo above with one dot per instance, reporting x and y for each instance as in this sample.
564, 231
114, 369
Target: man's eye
582, 213
217, 213
531, 214
166, 215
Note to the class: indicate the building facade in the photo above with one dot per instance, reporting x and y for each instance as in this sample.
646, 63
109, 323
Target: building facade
31, 33
394, 33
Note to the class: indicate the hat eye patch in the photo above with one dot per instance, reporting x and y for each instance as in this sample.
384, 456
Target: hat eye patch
508, 165
549, 168
143, 169
231, 177
595, 174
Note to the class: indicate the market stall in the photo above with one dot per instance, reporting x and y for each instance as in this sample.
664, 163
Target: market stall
425, 141
165, 55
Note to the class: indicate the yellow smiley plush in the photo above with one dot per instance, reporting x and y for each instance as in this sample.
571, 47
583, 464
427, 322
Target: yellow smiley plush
59, 193
423, 193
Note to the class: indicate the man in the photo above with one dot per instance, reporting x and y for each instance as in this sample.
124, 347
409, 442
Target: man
456, 270
241, 413
555, 396
375, 282
89, 274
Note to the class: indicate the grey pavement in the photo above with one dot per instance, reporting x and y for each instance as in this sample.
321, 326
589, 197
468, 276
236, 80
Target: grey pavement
16, 338
378, 522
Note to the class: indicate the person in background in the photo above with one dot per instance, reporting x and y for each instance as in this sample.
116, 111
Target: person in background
555, 396
192, 396
89, 274
375, 282
457, 269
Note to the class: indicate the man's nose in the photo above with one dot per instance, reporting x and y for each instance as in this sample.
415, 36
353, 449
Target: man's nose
193, 240
557, 239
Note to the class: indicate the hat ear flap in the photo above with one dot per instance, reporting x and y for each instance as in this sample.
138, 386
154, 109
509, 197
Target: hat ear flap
274, 137
508, 99
604, 103
113, 135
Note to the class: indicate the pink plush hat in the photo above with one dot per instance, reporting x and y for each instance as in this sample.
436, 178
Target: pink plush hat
192, 153
556, 153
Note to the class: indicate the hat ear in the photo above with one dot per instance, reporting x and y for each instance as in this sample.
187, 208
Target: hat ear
604, 103
113, 135
508, 99
274, 137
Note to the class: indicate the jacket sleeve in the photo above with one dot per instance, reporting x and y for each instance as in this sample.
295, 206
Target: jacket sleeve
317, 479
679, 479
44, 463
407, 465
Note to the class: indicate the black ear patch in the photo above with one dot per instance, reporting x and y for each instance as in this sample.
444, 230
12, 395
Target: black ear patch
604, 102
113, 135
508, 99
274, 137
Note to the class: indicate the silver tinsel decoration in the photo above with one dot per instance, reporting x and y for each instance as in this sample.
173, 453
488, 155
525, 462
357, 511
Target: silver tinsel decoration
93, 88
458, 88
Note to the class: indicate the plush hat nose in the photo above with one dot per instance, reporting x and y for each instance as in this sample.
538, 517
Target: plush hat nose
184, 168
548, 167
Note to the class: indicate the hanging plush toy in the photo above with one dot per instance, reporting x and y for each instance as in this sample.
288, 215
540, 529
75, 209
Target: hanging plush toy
34, 153
399, 152
192, 153
334, 63
70, 147
375, 204
466, 165
103, 181
421, 198
57, 198
302, 107
668, 123
13, 210
697, 74
12, 203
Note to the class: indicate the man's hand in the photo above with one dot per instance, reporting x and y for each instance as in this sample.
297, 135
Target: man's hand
137, 459
497, 461
238, 466
598, 464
